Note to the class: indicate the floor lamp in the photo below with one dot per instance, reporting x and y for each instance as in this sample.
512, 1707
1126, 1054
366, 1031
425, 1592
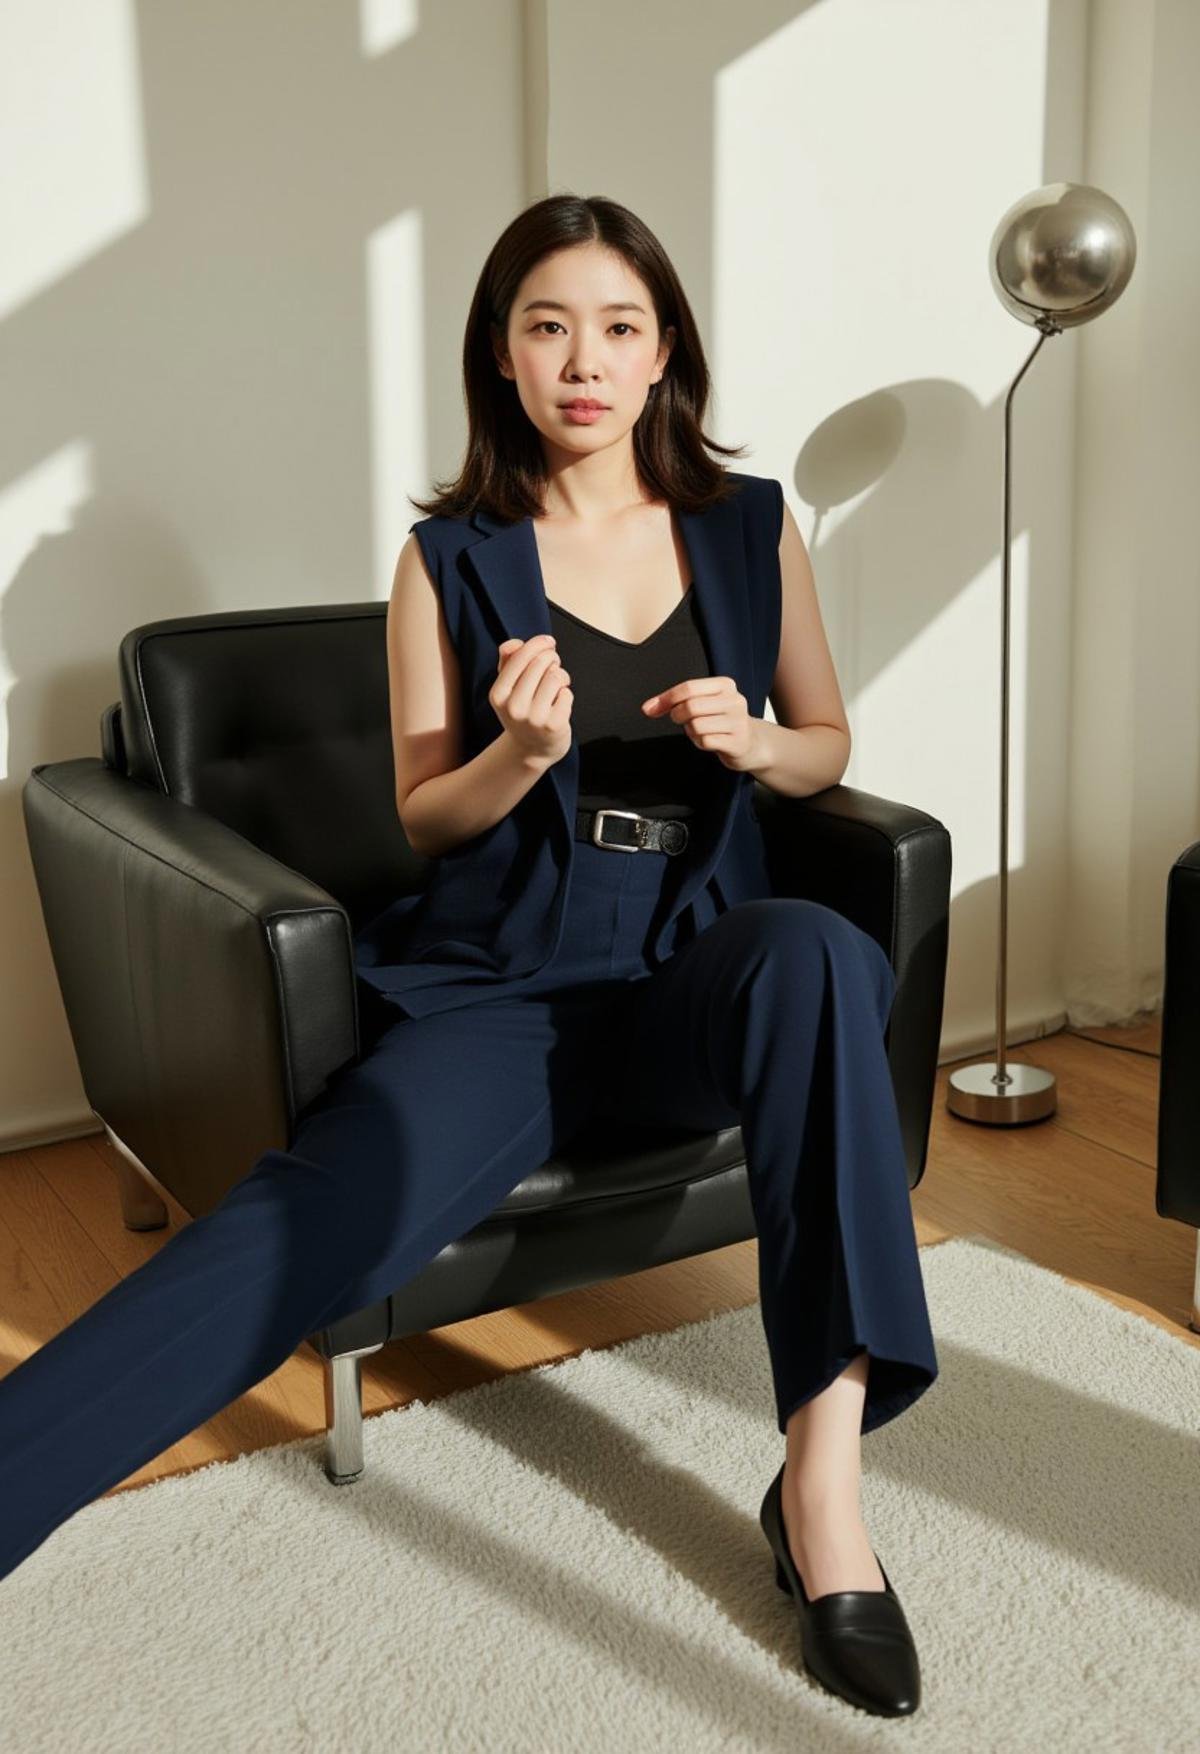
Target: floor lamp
1059, 257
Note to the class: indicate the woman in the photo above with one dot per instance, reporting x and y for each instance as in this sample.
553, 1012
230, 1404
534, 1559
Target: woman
581, 634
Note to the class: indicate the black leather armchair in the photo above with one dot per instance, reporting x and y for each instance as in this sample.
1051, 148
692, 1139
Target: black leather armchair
1177, 1188
201, 884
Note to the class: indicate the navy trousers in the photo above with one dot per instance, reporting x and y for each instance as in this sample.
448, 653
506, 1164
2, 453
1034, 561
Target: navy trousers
771, 1013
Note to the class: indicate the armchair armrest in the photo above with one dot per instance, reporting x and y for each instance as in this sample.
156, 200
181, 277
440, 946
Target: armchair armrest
886, 867
209, 989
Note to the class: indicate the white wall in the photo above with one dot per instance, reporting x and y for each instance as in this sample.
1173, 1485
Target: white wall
236, 267
1135, 748
231, 313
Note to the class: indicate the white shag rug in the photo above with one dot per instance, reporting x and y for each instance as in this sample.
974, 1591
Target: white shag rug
569, 1559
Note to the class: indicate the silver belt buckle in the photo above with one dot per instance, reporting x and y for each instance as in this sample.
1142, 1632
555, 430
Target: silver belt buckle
615, 846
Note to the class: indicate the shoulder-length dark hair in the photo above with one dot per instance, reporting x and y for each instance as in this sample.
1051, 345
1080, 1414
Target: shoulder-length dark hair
504, 471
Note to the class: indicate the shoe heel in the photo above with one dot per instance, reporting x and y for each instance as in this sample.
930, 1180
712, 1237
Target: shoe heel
781, 1579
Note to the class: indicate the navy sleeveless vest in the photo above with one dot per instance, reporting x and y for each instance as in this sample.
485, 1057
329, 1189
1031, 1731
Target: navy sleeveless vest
492, 908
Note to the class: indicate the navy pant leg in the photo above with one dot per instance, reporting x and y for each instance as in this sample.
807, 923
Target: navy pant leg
405, 1150
774, 1017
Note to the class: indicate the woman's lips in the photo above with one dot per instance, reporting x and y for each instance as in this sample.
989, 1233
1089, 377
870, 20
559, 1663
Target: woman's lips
583, 416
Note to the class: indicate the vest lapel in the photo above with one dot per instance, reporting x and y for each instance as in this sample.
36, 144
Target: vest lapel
506, 564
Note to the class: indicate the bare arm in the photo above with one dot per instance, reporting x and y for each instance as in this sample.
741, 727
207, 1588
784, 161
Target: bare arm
805, 688
808, 746
442, 800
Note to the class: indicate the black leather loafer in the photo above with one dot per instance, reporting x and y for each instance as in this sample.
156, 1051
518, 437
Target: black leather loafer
856, 1643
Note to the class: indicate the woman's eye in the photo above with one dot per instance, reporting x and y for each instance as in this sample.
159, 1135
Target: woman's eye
549, 323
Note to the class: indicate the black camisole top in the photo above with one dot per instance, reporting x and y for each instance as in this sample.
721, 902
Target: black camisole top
627, 760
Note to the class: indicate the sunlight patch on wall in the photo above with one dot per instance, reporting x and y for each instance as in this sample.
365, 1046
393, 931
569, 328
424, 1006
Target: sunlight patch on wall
70, 138
942, 691
860, 259
382, 24
396, 381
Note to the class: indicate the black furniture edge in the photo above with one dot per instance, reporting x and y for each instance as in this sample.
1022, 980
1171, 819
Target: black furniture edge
1177, 1186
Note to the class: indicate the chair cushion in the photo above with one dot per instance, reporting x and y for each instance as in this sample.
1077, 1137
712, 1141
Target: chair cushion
609, 1161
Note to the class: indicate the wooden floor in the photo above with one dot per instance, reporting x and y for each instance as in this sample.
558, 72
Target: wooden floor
1075, 1193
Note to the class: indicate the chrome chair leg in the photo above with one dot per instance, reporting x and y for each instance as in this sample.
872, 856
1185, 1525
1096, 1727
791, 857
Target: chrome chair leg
142, 1207
343, 1415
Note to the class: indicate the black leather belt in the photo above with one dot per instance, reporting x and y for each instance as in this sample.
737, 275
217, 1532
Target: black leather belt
632, 833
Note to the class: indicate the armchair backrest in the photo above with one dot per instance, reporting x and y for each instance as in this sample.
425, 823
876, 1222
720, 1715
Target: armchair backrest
277, 722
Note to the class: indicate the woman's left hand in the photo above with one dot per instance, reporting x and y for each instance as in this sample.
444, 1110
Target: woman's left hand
713, 713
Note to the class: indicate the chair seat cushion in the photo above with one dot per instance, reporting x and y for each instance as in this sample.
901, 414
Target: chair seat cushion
610, 1161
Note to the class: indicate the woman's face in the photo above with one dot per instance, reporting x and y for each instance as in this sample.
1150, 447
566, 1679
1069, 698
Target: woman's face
563, 342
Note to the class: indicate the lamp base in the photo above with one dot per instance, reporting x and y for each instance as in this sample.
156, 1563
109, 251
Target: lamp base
976, 1094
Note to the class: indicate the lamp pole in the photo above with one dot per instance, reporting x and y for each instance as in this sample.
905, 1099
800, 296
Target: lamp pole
1058, 257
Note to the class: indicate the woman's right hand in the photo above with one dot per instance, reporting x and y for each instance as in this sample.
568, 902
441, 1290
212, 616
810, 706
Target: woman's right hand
531, 698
